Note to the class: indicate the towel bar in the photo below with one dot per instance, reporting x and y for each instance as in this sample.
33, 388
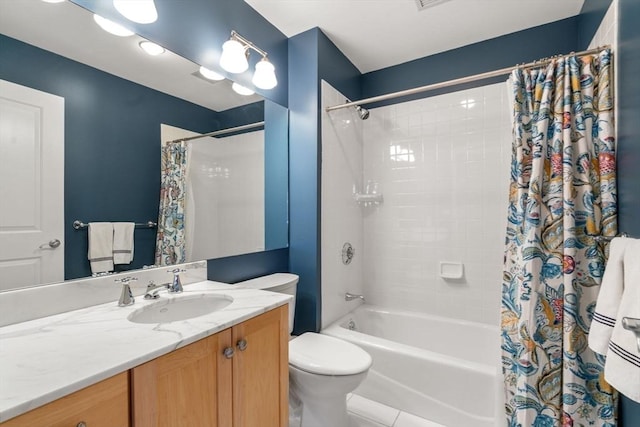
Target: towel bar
608, 238
633, 325
77, 224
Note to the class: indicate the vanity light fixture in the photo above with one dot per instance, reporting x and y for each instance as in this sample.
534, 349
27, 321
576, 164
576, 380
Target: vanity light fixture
235, 53
234, 57
241, 90
140, 11
265, 75
111, 27
151, 48
209, 74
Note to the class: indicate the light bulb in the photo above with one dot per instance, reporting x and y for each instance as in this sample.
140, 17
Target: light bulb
140, 11
265, 76
112, 27
151, 48
233, 58
211, 75
241, 90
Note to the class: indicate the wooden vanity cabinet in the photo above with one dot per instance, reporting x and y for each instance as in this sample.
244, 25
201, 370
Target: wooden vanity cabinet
261, 371
200, 385
105, 404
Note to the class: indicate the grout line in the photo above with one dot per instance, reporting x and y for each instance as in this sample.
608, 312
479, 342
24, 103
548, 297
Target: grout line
396, 420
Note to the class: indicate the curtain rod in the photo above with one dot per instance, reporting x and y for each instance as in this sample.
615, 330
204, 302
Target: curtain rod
219, 132
455, 82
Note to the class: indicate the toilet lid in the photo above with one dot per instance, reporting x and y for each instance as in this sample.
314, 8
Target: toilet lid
325, 355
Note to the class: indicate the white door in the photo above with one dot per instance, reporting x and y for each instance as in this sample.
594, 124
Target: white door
31, 187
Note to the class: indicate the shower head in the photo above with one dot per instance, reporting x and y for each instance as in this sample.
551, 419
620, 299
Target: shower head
362, 112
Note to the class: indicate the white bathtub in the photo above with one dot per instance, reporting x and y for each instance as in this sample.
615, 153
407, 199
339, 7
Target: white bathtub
440, 369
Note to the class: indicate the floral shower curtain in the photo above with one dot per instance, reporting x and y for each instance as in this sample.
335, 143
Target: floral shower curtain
562, 192
170, 242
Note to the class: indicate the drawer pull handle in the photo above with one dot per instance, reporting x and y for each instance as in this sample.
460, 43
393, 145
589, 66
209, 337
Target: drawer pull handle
82, 424
242, 345
228, 352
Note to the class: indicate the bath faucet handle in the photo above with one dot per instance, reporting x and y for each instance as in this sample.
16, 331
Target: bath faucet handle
126, 296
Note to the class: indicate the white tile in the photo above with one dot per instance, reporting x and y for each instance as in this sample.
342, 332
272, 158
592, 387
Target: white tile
408, 420
357, 421
371, 410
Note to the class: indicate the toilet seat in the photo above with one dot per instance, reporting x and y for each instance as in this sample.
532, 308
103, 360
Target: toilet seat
324, 355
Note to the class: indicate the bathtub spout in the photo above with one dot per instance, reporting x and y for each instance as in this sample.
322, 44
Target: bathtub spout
349, 296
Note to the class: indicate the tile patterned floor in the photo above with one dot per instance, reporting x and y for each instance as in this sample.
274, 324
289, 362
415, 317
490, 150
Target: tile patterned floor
367, 413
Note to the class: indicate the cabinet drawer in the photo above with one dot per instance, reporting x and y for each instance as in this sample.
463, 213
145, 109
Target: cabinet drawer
105, 404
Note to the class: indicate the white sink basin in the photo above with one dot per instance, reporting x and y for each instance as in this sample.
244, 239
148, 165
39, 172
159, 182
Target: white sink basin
180, 308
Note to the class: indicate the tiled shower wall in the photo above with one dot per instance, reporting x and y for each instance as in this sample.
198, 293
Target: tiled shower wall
442, 164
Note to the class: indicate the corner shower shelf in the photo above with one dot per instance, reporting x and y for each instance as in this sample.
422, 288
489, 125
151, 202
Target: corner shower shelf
368, 199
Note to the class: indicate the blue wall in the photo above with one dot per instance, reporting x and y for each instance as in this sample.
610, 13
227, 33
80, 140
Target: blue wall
112, 155
312, 57
304, 226
628, 92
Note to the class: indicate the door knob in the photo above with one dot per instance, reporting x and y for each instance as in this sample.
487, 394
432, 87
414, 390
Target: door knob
51, 245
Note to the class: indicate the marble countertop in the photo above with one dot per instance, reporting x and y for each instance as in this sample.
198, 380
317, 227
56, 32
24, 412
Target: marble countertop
44, 359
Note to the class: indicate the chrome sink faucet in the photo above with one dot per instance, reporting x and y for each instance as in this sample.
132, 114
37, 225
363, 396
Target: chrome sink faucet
153, 290
349, 297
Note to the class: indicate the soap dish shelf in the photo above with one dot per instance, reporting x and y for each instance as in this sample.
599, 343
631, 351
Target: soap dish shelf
368, 199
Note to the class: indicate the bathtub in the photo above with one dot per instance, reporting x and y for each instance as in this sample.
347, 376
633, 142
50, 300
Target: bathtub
440, 369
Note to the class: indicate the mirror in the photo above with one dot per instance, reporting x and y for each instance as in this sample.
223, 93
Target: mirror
116, 98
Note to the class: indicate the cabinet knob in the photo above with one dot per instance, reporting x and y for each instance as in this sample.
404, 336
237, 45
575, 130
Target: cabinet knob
82, 424
242, 345
228, 352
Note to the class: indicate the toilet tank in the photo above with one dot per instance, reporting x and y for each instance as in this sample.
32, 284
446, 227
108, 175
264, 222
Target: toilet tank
284, 283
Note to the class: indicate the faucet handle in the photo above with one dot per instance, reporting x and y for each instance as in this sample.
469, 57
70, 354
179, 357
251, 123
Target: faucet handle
125, 280
176, 284
126, 296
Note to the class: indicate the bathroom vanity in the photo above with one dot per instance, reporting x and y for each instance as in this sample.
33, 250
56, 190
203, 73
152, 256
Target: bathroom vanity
96, 367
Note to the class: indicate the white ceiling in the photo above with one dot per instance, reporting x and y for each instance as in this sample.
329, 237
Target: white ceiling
69, 30
375, 34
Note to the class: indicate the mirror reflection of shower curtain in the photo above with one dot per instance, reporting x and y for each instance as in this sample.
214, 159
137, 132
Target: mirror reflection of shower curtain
170, 247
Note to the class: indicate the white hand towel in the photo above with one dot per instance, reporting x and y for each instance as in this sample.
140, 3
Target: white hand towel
604, 318
100, 246
123, 242
622, 368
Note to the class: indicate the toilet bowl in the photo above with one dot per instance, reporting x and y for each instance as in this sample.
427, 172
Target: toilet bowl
322, 369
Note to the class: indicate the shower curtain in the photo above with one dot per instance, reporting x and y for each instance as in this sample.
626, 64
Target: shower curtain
170, 240
562, 193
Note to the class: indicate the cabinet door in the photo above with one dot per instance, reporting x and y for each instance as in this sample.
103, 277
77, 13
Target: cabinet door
105, 404
183, 388
261, 371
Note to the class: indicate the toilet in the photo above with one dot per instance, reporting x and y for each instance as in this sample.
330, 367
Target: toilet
322, 369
